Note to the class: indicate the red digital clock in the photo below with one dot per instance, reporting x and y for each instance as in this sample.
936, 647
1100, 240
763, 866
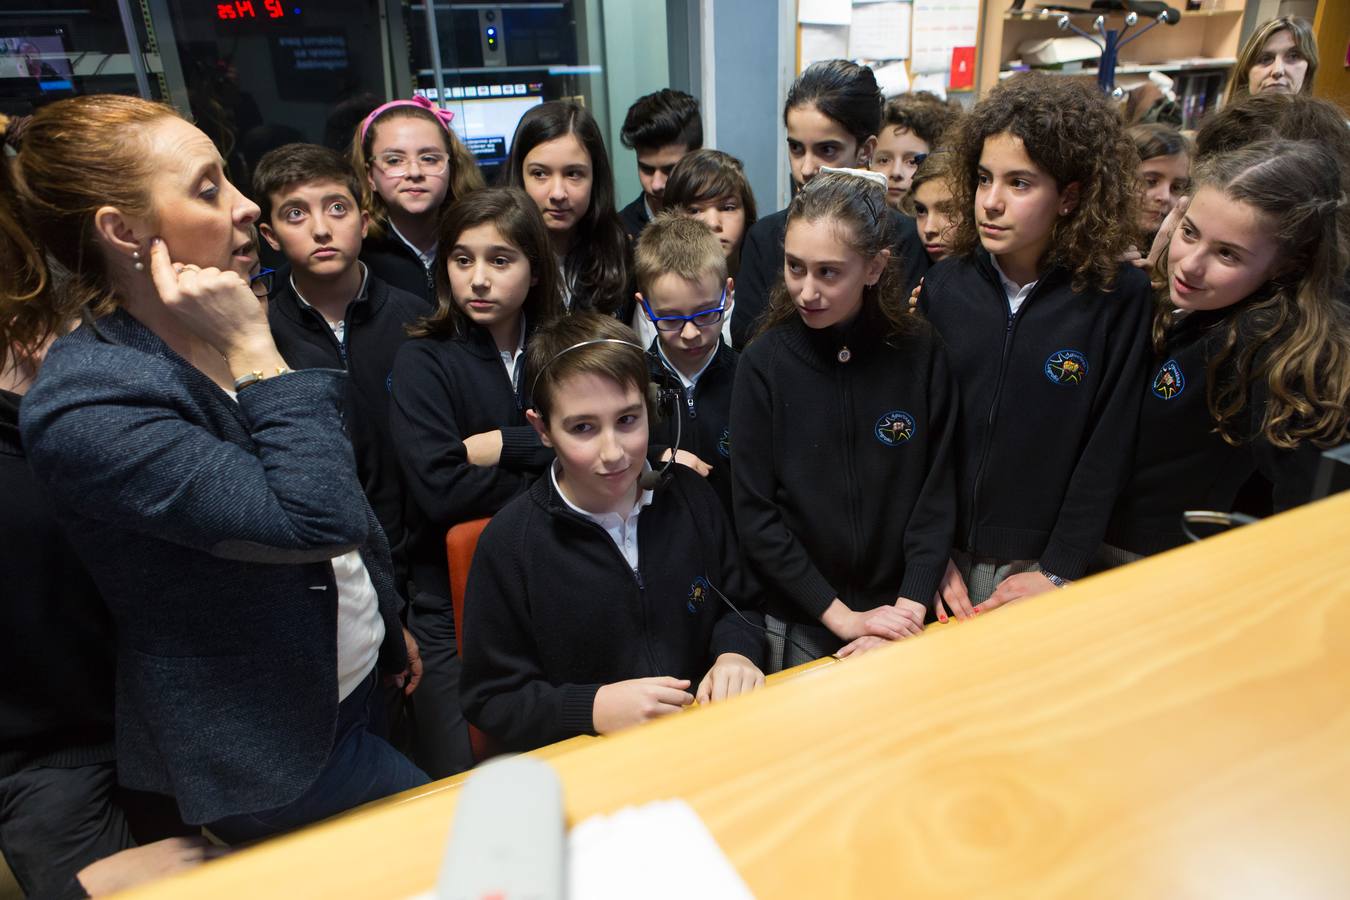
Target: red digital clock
246, 9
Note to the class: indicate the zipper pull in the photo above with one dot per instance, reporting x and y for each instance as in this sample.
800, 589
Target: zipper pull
689, 402
642, 585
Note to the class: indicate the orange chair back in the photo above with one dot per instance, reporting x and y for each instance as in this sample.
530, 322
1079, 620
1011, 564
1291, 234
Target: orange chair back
460, 542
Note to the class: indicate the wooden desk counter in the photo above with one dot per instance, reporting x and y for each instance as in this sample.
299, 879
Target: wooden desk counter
1178, 728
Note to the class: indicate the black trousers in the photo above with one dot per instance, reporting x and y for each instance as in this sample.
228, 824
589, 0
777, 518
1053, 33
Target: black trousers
440, 733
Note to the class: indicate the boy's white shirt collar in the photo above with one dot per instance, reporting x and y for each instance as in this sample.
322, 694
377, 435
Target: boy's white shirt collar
689, 381
1016, 295
622, 529
339, 327
427, 258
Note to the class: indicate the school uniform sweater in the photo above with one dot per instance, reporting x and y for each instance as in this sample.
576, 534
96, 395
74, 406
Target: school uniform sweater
705, 411
444, 390
762, 267
634, 217
841, 465
1050, 407
554, 612
374, 331
56, 636
1181, 462
395, 263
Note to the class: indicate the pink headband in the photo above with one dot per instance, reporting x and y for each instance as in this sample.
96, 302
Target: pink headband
444, 116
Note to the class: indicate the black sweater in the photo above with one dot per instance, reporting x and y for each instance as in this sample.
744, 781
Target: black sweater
446, 389
56, 636
374, 332
705, 412
553, 611
395, 263
841, 471
634, 217
762, 267
1181, 462
1050, 407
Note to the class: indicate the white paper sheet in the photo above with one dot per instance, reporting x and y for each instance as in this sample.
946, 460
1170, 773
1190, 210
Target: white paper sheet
824, 12
940, 25
892, 79
935, 82
880, 31
823, 42
628, 854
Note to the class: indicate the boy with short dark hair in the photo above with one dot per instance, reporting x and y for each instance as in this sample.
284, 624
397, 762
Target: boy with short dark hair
661, 128
595, 600
332, 312
685, 299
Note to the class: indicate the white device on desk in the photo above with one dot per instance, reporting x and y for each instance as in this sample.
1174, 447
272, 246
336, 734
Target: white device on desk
508, 838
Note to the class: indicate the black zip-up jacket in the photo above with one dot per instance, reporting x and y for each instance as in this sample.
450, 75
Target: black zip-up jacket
373, 334
56, 636
762, 267
1181, 462
1050, 407
553, 611
841, 465
634, 217
395, 263
705, 412
446, 389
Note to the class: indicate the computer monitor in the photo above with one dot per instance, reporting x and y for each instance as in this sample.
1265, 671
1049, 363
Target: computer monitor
41, 55
486, 115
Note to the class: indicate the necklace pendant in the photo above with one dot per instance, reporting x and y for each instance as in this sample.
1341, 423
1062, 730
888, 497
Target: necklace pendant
844, 355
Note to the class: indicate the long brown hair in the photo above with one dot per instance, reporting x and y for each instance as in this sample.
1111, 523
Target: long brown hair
74, 157
858, 208
1293, 334
464, 173
1240, 84
1071, 133
518, 221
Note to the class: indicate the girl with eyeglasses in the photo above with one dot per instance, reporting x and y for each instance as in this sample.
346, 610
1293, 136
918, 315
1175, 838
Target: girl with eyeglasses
842, 423
414, 168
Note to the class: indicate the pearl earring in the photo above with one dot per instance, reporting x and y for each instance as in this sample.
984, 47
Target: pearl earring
137, 265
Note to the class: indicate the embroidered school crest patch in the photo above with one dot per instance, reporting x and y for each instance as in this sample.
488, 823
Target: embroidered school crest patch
1066, 367
698, 592
724, 443
895, 428
1169, 381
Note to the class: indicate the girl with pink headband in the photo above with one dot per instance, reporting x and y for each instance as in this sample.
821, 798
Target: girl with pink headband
414, 167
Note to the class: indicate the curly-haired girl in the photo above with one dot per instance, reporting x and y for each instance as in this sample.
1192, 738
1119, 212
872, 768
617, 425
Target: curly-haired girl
1252, 370
1047, 331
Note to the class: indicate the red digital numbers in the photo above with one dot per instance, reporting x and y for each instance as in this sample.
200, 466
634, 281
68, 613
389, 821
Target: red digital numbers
243, 9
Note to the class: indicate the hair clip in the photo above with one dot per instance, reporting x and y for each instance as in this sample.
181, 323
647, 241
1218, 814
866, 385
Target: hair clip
444, 116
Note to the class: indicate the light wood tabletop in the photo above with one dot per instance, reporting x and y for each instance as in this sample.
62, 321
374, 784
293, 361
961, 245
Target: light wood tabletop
1176, 728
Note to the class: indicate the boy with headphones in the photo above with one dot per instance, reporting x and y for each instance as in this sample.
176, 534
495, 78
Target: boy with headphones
600, 597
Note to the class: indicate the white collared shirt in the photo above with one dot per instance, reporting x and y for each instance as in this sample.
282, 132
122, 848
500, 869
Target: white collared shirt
1016, 295
510, 357
428, 259
689, 381
622, 530
340, 326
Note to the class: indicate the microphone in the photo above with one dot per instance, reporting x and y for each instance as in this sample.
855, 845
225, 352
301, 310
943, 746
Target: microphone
655, 478
509, 838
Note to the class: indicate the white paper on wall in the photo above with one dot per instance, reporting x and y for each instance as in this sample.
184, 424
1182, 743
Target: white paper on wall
823, 42
824, 12
940, 25
880, 31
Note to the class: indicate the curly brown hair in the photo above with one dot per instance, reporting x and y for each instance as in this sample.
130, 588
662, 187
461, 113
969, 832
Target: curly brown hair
1292, 334
1072, 134
858, 207
924, 114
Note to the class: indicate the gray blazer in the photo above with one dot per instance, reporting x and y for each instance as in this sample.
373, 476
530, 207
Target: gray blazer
208, 526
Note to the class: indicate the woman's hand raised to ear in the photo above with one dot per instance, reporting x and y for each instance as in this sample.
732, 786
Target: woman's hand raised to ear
219, 308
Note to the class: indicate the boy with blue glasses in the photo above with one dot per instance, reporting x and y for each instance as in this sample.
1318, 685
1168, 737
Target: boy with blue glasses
686, 298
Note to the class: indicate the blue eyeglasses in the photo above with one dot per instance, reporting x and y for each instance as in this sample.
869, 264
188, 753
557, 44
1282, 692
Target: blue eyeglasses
262, 282
700, 319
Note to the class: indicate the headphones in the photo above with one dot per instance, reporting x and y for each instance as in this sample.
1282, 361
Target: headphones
658, 396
